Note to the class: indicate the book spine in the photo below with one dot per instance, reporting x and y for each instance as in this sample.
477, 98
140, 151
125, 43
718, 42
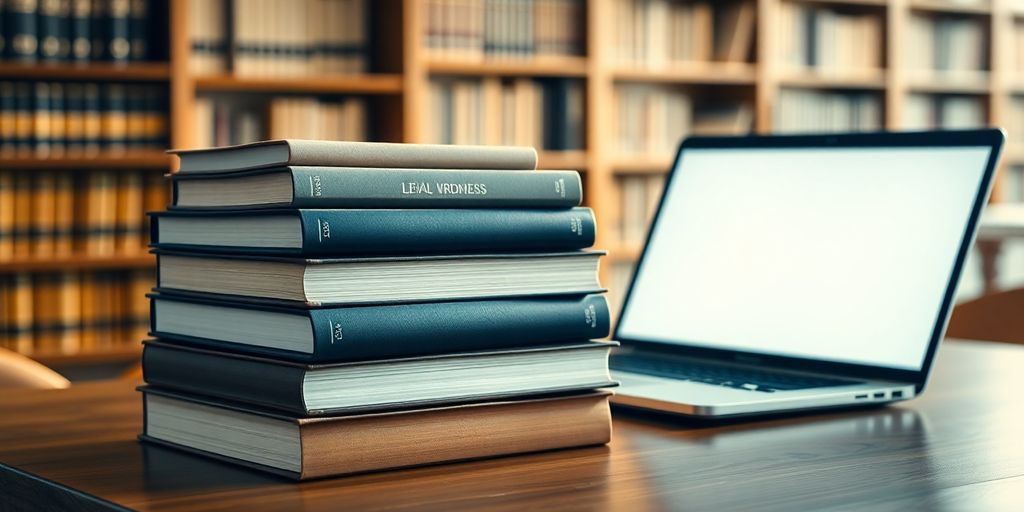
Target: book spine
8, 120
21, 29
52, 36
408, 188
138, 25
336, 232
253, 382
118, 48
364, 333
79, 28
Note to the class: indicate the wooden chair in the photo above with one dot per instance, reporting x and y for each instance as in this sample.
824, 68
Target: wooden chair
20, 372
995, 317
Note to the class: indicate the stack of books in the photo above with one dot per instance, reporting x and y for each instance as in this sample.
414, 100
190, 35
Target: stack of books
325, 308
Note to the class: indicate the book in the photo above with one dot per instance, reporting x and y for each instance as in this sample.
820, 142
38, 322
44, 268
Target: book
280, 153
348, 281
318, 335
312, 232
305, 448
355, 187
322, 389
21, 30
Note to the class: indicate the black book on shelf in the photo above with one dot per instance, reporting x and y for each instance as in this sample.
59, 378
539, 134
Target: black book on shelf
8, 119
79, 30
53, 29
118, 47
138, 27
21, 30
23, 117
98, 29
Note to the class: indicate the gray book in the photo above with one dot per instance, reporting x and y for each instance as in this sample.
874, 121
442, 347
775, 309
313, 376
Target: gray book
284, 152
367, 187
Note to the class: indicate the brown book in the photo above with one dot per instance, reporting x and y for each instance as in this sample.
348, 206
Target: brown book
21, 314
284, 152
69, 336
136, 305
64, 214
23, 238
6, 215
44, 188
306, 448
97, 211
129, 214
155, 198
89, 312
46, 320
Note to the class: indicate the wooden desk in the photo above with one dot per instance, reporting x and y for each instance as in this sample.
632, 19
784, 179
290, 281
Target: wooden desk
960, 446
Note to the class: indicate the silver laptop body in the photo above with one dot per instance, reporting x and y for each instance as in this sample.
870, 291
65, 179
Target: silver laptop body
786, 273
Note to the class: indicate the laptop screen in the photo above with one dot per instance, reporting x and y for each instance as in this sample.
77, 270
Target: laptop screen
838, 254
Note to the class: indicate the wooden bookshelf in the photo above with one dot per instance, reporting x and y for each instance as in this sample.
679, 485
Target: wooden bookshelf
140, 71
127, 160
403, 67
34, 264
341, 84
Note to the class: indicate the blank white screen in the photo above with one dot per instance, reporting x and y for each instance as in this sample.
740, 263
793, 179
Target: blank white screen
835, 254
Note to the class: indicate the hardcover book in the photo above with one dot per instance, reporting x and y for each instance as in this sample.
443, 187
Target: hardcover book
284, 152
349, 281
318, 389
367, 187
305, 448
319, 335
375, 232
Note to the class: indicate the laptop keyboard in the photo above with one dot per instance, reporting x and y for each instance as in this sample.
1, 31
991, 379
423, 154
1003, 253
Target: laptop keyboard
729, 376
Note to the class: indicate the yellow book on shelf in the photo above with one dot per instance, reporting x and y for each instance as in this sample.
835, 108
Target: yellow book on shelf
129, 213
97, 209
70, 315
8, 120
41, 132
21, 313
46, 313
6, 215
64, 214
88, 313
23, 216
44, 194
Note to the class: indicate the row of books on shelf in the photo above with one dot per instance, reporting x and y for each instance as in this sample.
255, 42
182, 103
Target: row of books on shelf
73, 312
279, 37
473, 29
947, 44
221, 121
942, 111
80, 30
470, 308
652, 119
63, 214
830, 41
659, 33
51, 119
545, 113
800, 110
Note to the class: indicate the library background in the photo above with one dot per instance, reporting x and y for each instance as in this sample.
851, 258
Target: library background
93, 91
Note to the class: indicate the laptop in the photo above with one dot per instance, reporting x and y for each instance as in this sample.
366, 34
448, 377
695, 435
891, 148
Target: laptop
786, 273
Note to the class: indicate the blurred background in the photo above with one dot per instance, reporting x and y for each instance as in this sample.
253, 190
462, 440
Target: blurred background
93, 91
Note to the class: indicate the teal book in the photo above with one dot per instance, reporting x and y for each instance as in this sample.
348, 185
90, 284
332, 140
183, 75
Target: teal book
310, 232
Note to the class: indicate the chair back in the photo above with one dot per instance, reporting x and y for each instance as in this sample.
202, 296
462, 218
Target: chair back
994, 317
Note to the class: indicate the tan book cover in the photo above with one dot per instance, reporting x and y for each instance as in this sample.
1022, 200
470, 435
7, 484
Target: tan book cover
6, 215
46, 320
44, 197
129, 214
340, 445
23, 239
63, 214
70, 315
21, 313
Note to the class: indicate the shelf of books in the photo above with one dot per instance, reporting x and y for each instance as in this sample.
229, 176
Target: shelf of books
607, 87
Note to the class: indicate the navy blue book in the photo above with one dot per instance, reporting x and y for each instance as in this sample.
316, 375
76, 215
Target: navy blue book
320, 335
375, 232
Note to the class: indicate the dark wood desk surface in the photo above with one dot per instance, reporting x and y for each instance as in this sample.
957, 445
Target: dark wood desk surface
959, 446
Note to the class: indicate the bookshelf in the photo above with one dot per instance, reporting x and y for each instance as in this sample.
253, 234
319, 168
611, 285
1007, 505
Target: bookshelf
396, 86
